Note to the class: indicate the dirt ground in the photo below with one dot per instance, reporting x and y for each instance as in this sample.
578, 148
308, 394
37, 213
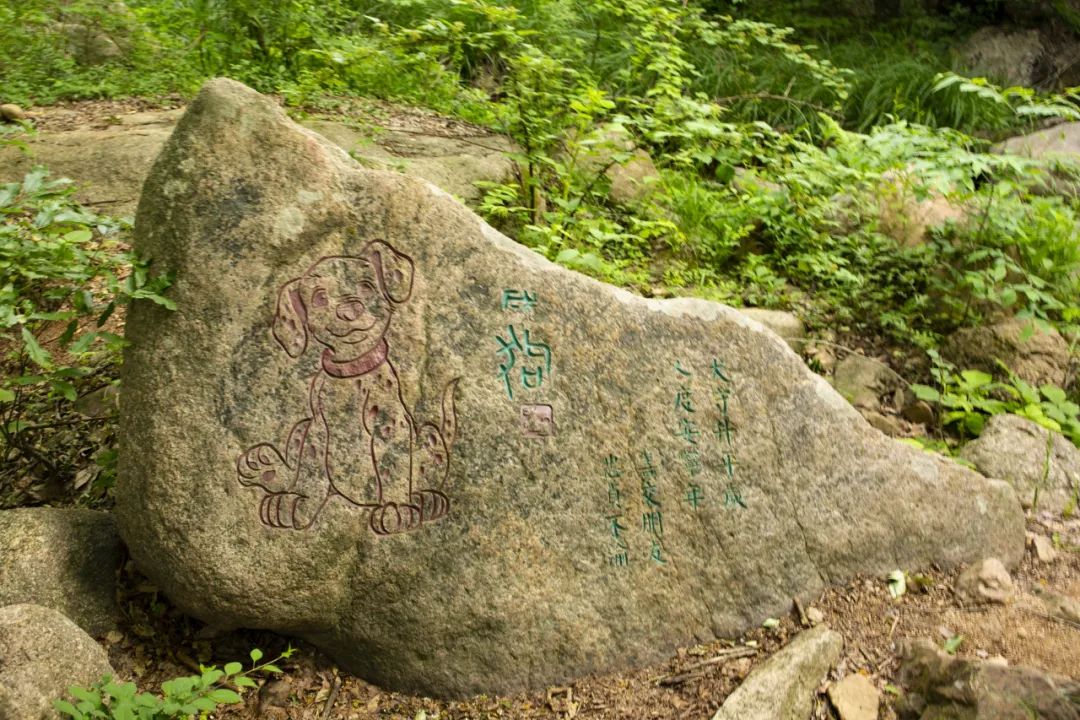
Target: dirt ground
158, 643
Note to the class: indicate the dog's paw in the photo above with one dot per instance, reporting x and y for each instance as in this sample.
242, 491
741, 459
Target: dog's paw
432, 503
289, 510
262, 465
393, 518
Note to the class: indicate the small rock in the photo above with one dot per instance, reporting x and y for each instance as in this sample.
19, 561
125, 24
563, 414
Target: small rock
998, 660
42, 654
1044, 549
918, 412
815, 616
782, 687
885, 423
1059, 606
986, 581
855, 698
862, 381
787, 325
10, 112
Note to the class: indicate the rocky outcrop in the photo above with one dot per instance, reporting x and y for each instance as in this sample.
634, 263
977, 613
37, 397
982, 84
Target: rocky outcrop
109, 164
1036, 353
942, 686
65, 559
376, 423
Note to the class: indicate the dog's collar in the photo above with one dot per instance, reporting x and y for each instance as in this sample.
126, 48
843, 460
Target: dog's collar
360, 366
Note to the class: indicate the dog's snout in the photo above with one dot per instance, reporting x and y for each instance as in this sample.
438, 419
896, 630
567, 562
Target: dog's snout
350, 310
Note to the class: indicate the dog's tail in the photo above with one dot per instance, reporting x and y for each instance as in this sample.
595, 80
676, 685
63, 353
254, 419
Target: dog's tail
448, 427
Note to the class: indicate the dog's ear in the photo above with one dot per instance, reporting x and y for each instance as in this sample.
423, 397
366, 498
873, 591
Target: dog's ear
395, 271
290, 319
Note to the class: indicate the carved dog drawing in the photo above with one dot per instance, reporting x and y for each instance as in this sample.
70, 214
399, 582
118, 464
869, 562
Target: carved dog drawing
359, 442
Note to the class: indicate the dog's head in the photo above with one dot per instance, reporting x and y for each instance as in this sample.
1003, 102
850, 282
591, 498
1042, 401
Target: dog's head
344, 302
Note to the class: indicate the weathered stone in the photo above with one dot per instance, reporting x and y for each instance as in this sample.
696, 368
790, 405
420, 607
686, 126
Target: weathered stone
862, 381
815, 616
782, 687
941, 686
359, 429
1010, 57
855, 698
787, 325
11, 113
1036, 354
1056, 145
1059, 141
65, 559
42, 654
908, 213
1044, 549
885, 423
986, 581
1030, 458
1059, 606
87, 44
918, 411
610, 149
110, 164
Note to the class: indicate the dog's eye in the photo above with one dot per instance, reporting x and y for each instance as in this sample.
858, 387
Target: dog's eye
319, 299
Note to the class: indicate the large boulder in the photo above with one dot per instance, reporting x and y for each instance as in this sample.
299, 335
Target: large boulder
42, 654
65, 559
1060, 141
782, 687
1036, 353
1005, 55
1038, 463
376, 423
110, 163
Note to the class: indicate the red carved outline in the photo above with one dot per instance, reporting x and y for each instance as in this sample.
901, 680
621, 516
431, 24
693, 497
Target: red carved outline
285, 504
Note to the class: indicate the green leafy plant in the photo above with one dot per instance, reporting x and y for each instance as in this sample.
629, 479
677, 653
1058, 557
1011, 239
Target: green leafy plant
63, 274
181, 697
967, 399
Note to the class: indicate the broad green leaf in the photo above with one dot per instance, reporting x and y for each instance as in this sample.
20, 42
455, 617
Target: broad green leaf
976, 378
79, 236
244, 681
85, 695
68, 709
64, 388
1054, 394
224, 696
39, 355
233, 668
256, 655
926, 393
6, 395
